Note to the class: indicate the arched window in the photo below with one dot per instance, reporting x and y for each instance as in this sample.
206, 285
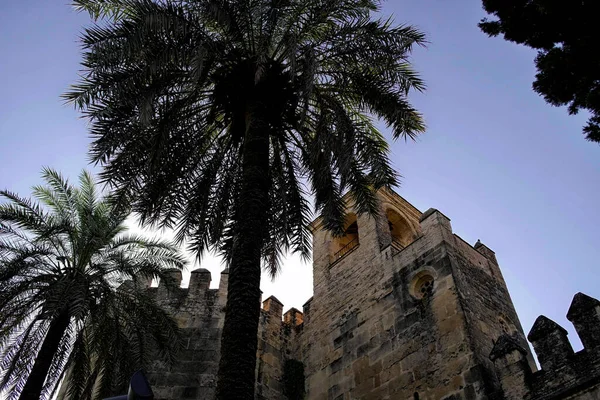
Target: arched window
400, 230
342, 245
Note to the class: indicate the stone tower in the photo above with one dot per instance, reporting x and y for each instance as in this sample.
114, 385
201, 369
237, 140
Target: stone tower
403, 308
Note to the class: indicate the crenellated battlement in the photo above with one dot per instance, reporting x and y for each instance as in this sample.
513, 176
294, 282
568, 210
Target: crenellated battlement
584, 314
402, 308
200, 312
273, 307
185, 300
199, 279
562, 371
173, 296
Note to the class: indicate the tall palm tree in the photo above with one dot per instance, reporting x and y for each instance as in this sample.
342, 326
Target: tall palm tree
61, 261
219, 117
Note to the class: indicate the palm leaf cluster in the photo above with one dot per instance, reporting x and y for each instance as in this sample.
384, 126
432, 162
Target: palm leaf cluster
170, 87
220, 118
63, 307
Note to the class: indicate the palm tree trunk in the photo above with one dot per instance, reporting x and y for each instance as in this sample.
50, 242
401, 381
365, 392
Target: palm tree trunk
35, 382
239, 338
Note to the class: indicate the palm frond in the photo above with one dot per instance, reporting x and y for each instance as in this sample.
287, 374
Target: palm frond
177, 92
66, 259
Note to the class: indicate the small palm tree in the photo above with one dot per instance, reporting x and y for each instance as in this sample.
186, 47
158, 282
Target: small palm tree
61, 261
219, 117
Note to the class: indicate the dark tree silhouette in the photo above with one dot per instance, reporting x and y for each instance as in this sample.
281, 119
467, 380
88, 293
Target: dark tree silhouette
566, 35
62, 304
209, 115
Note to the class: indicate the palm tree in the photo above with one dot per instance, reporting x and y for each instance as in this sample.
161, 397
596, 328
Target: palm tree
61, 260
219, 118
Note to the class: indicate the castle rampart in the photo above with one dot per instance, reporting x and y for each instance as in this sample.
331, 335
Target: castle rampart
403, 308
564, 374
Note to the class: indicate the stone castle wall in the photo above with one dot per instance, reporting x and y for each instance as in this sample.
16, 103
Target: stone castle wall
378, 338
198, 310
404, 313
564, 374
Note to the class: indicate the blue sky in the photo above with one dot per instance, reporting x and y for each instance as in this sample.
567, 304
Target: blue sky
502, 164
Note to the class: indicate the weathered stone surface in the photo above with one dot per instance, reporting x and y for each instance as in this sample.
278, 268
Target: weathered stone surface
199, 312
410, 311
550, 343
382, 337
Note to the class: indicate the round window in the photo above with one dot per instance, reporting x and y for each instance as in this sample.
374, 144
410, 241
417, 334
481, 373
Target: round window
423, 286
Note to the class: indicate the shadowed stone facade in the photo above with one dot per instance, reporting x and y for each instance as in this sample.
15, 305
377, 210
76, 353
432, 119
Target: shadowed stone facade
403, 308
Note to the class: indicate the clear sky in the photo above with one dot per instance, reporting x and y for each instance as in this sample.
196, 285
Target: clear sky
502, 164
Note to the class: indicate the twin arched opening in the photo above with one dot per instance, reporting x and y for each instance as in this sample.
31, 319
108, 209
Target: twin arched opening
400, 232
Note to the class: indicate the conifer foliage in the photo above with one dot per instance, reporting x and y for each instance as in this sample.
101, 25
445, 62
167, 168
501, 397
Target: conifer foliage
70, 297
219, 118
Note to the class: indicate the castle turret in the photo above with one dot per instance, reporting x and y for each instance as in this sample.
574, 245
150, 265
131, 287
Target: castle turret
399, 299
584, 313
550, 343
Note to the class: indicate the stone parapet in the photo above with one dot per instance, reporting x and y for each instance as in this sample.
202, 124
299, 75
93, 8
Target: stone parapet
584, 313
565, 374
513, 370
412, 312
486, 251
200, 279
273, 307
293, 317
550, 343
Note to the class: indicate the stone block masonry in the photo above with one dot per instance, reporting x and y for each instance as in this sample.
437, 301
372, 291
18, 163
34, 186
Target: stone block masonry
403, 308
